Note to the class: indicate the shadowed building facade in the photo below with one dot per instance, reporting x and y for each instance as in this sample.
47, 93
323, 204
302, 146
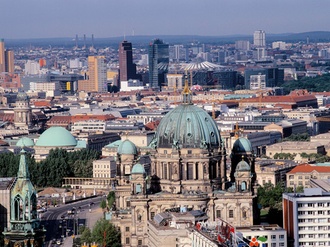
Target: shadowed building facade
127, 69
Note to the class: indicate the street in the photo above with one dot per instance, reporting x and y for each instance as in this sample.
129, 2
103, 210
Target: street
59, 224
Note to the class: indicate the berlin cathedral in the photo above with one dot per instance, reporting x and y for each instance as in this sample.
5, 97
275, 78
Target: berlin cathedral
188, 170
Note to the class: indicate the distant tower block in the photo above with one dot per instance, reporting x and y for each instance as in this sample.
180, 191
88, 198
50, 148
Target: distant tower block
84, 41
92, 40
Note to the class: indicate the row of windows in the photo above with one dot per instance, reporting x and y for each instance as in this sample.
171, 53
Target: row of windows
323, 220
291, 177
314, 235
127, 241
230, 214
299, 183
319, 212
312, 205
102, 175
314, 228
314, 243
100, 166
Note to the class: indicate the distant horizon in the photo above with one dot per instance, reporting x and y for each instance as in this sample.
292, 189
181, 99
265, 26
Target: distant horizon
36, 19
89, 37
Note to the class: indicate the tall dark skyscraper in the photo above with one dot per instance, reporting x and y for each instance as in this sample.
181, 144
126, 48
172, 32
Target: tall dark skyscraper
127, 69
158, 63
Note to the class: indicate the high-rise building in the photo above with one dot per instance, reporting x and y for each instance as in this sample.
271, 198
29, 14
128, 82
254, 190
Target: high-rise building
259, 38
9, 61
2, 56
97, 71
243, 45
306, 217
158, 63
127, 69
6, 58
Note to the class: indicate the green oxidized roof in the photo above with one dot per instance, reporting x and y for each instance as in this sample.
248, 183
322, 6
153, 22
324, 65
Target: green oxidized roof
25, 142
138, 169
56, 137
114, 144
127, 147
242, 145
187, 126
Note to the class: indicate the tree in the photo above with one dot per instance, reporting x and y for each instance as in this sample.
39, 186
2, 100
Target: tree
106, 234
302, 137
103, 204
86, 236
111, 198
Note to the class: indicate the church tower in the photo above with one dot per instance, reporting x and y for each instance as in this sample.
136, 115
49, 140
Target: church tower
22, 111
25, 229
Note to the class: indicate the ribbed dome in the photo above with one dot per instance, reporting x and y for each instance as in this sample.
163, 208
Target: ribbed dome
127, 147
22, 96
242, 145
25, 142
138, 169
56, 137
243, 166
187, 126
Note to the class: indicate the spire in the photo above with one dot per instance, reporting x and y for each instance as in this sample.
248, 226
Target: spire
23, 171
186, 93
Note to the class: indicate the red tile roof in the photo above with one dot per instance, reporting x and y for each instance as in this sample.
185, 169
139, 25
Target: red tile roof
305, 168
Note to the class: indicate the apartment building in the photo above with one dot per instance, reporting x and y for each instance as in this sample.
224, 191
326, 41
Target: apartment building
306, 217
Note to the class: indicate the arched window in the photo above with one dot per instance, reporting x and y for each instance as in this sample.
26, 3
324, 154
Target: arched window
18, 208
243, 186
33, 206
138, 188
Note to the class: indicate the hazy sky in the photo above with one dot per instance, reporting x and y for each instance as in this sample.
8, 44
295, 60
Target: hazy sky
112, 18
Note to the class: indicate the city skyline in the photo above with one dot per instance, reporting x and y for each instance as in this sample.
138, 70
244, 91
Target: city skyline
34, 19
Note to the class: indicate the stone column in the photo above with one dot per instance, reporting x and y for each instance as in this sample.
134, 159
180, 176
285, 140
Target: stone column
238, 214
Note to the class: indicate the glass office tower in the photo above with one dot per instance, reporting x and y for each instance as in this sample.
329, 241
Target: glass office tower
158, 63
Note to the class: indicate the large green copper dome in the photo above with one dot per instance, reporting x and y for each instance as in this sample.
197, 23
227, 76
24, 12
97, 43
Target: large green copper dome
56, 137
187, 126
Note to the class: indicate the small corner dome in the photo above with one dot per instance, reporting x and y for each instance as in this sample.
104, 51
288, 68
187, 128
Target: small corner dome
242, 145
127, 147
22, 96
138, 169
56, 137
243, 166
25, 142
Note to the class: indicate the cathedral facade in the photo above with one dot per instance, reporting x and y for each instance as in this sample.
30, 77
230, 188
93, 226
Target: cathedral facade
188, 172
